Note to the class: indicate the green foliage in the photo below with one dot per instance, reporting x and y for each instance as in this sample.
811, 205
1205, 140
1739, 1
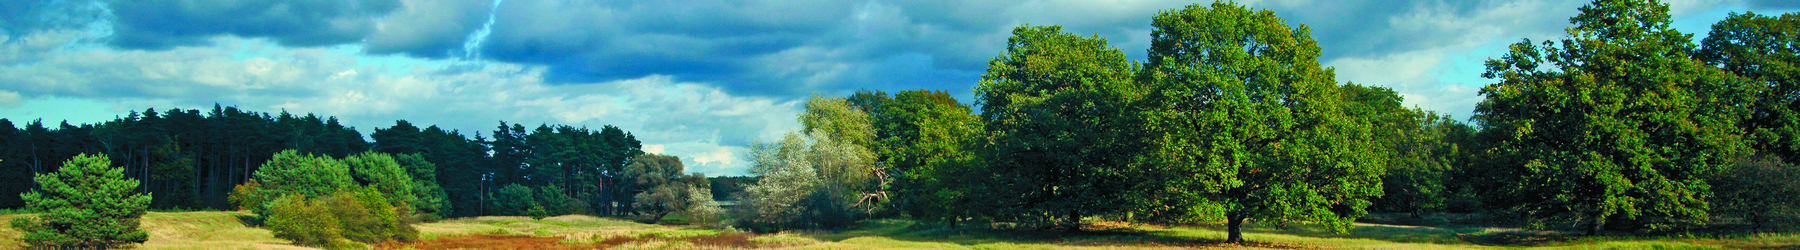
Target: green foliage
366, 216
382, 173
927, 140
1422, 150
787, 178
189, 158
578, 160
308, 175
1762, 192
514, 199
841, 137
305, 221
1060, 137
1246, 124
87, 204
433, 203
1766, 51
662, 200
669, 191
174, 167
462, 169
837, 118
362, 215
249, 196
700, 206
555, 202
537, 212
371, 202
813, 178
723, 187
1614, 123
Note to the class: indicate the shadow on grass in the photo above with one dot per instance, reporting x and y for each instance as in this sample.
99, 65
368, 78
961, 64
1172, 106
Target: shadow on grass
249, 220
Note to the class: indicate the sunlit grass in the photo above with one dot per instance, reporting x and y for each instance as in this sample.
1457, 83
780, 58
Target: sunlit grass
226, 230
903, 234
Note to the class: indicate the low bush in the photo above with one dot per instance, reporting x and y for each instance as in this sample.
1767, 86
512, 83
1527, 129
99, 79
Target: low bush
338, 220
305, 221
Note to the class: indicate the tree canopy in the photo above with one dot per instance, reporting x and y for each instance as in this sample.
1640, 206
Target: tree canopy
1616, 122
87, 204
1054, 105
1246, 124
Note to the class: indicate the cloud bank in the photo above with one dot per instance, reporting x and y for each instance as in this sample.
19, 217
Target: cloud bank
696, 79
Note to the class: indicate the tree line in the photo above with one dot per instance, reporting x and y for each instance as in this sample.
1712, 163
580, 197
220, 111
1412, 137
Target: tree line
193, 159
314, 181
1625, 124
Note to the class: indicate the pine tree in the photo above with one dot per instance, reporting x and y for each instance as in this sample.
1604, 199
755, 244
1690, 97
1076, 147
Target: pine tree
88, 204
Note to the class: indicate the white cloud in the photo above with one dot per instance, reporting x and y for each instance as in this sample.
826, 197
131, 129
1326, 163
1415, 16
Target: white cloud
368, 92
720, 155
35, 46
653, 148
9, 99
1418, 73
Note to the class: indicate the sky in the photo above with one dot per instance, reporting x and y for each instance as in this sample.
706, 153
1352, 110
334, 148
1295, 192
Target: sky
699, 79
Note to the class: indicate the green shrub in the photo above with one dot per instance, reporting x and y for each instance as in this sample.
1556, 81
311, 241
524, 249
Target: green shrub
87, 204
434, 203
514, 199
305, 221
361, 216
320, 201
366, 217
537, 213
555, 202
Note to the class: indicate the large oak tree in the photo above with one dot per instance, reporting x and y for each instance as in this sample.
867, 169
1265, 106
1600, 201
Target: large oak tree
1614, 122
1246, 124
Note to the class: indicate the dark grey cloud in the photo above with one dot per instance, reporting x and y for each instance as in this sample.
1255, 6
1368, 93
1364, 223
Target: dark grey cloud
429, 28
713, 41
22, 17
163, 24
781, 48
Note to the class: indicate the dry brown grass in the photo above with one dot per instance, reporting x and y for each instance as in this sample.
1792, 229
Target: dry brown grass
8, 235
187, 230
207, 230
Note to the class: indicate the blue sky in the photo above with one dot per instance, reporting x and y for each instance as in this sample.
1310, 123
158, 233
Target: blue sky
696, 79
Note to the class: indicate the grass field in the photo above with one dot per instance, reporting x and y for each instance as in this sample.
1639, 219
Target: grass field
225, 230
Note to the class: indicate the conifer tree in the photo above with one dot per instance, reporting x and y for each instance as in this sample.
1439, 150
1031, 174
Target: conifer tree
88, 204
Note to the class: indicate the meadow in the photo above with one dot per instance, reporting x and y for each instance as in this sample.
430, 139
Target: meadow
227, 230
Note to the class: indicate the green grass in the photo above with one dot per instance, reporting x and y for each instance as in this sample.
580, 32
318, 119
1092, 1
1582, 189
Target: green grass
903, 234
188, 230
225, 230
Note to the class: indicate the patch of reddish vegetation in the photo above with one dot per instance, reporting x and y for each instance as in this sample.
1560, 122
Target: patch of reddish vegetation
499, 242
496, 242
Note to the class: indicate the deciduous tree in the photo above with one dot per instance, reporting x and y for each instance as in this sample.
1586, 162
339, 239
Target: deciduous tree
1616, 122
1246, 124
1055, 106
1765, 50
